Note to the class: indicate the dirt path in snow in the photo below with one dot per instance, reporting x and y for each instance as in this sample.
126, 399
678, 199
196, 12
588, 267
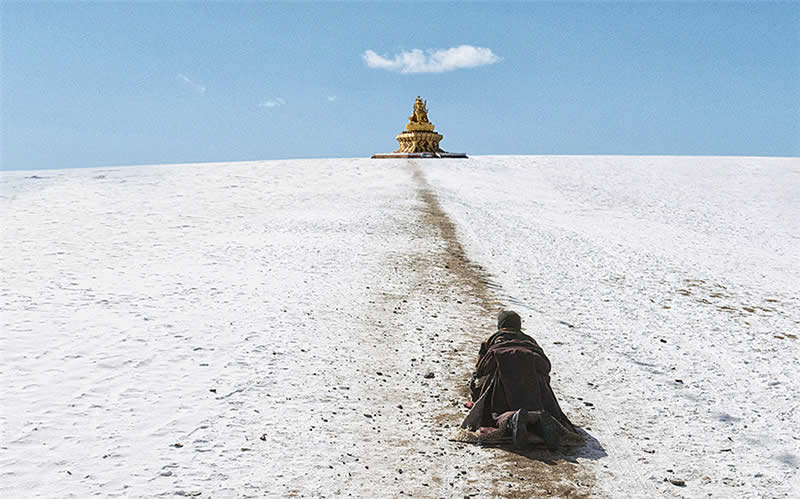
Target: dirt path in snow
509, 473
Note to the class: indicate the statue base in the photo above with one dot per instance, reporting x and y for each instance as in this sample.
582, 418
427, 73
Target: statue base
419, 141
419, 127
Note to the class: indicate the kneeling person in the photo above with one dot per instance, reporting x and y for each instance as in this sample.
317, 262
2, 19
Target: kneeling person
511, 387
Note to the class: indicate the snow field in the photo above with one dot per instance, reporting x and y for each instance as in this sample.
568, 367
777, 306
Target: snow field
265, 328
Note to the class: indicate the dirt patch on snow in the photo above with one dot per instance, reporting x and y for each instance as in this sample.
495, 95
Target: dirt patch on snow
506, 472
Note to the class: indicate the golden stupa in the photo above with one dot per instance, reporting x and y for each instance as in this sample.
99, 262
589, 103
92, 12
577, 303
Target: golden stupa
419, 140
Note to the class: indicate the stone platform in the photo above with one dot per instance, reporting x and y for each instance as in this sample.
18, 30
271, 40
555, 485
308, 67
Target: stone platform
425, 155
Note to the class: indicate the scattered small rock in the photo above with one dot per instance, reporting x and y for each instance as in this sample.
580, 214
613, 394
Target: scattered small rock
677, 482
263, 437
177, 445
212, 390
662, 340
429, 375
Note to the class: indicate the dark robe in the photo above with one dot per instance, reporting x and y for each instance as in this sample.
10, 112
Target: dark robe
512, 373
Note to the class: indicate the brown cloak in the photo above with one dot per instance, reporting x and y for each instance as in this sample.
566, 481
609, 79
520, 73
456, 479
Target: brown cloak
512, 373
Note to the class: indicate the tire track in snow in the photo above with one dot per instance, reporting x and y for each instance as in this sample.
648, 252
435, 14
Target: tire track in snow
537, 473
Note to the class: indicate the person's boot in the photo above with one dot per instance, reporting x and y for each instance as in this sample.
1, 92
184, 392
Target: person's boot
548, 428
519, 429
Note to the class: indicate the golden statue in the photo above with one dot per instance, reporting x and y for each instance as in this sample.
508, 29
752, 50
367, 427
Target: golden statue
418, 122
419, 139
420, 111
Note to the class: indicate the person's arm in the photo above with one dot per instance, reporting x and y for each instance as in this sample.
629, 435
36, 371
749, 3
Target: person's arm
481, 352
474, 377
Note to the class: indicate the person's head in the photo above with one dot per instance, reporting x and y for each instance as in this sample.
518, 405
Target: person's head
508, 319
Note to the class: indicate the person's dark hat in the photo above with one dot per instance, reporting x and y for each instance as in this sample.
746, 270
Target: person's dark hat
508, 319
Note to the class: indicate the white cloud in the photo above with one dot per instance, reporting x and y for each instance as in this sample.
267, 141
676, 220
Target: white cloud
331, 98
200, 89
276, 102
432, 60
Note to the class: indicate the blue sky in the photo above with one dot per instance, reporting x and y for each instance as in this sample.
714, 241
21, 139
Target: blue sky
99, 84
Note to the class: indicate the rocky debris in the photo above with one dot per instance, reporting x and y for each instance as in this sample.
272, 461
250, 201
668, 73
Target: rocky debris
677, 482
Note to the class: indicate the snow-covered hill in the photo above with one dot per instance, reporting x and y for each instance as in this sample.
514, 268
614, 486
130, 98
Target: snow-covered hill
270, 328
